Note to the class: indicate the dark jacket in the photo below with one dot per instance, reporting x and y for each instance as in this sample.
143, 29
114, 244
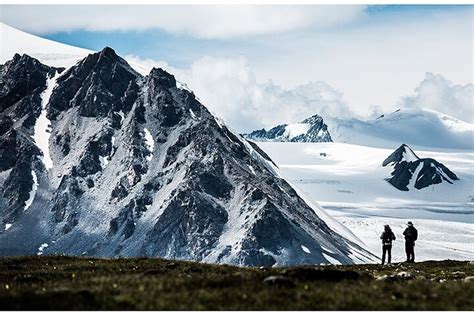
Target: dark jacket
411, 234
387, 237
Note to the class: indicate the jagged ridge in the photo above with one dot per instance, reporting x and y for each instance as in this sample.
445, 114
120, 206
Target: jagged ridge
310, 130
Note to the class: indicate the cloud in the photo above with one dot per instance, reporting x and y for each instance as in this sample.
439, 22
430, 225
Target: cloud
437, 93
375, 63
209, 22
228, 88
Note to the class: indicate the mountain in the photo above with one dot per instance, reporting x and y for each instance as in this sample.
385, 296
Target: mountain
47, 52
409, 171
98, 160
310, 130
419, 127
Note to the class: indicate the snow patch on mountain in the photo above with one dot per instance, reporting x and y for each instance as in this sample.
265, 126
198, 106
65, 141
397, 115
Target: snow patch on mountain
305, 249
150, 144
34, 188
409, 156
42, 129
42, 248
331, 259
296, 129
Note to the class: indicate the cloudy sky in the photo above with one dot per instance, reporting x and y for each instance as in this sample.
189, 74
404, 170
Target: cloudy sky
261, 65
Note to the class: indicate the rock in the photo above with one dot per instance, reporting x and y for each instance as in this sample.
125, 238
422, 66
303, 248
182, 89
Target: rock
400, 276
469, 279
405, 275
280, 281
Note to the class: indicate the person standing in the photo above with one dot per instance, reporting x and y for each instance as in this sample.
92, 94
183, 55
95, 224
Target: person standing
387, 237
411, 235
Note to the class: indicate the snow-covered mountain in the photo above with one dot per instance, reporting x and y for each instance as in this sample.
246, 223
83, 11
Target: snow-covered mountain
411, 172
97, 159
310, 130
421, 127
47, 52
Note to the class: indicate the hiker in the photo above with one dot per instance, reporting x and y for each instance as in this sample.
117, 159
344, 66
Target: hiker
387, 237
411, 235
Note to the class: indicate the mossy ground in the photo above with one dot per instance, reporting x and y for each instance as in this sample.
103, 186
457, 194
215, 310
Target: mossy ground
65, 283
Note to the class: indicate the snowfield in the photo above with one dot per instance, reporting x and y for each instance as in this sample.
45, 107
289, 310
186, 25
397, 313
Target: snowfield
347, 180
413, 126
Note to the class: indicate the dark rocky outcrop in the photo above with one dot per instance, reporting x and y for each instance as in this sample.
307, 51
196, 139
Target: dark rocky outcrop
423, 172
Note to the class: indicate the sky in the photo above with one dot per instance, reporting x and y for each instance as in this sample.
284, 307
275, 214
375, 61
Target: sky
257, 66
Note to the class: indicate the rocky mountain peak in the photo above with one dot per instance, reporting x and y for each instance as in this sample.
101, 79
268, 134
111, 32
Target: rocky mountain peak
310, 130
108, 52
101, 83
411, 171
315, 119
402, 153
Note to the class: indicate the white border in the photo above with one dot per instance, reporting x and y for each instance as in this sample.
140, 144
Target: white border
234, 2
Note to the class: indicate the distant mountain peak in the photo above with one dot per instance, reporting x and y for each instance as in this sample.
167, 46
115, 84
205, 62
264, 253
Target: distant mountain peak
402, 153
310, 130
410, 171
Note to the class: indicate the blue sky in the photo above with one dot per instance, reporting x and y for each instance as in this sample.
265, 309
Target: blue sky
354, 60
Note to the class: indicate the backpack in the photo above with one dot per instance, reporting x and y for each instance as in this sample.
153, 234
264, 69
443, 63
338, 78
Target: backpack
387, 238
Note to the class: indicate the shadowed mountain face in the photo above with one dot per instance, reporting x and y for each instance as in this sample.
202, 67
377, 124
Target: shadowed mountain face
138, 167
310, 130
411, 171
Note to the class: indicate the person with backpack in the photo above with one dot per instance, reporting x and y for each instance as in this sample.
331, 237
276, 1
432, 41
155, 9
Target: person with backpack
387, 237
411, 235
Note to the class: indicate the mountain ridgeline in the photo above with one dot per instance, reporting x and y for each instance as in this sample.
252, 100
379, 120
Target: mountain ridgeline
99, 160
310, 130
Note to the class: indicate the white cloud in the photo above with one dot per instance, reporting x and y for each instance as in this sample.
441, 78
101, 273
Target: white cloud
376, 62
437, 93
227, 86
198, 21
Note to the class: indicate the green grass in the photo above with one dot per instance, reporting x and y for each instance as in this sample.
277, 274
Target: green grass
65, 283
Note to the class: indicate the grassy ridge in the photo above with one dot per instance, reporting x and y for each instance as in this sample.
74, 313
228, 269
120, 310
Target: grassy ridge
65, 283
